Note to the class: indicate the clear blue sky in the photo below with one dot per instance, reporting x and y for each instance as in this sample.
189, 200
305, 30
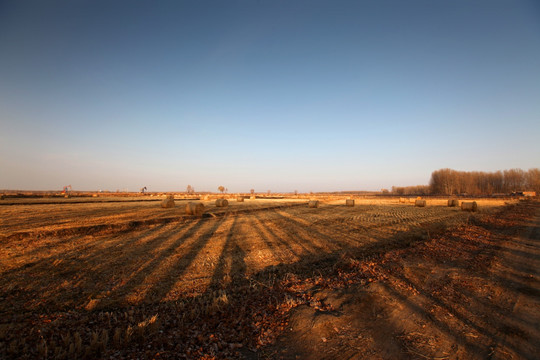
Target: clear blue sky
271, 95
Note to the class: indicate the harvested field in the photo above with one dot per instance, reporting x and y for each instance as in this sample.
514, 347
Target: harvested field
95, 279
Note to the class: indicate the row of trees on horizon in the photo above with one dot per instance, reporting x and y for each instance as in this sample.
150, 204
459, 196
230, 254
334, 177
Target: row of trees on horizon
454, 182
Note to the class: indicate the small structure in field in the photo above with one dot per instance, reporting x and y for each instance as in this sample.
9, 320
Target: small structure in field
313, 204
469, 206
453, 202
222, 203
349, 202
168, 202
420, 203
240, 198
194, 208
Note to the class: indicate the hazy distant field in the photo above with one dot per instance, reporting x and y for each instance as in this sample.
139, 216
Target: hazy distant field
72, 262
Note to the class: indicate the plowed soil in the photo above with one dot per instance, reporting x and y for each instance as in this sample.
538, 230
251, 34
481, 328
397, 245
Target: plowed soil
272, 279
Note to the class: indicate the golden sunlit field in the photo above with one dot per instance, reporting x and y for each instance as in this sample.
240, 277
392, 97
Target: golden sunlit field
84, 277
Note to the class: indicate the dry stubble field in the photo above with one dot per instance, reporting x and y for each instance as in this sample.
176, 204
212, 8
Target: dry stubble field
256, 279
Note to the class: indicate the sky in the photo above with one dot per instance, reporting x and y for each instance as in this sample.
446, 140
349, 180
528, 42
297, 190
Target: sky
270, 95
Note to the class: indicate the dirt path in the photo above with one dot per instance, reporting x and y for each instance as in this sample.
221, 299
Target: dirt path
472, 294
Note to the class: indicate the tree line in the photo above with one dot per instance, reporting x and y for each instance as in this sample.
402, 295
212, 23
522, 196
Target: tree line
454, 182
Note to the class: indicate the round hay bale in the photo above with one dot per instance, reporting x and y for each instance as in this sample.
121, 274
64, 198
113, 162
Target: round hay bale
240, 198
420, 203
313, 204
349, 202
194, 208
469, 206
222, 203
402, 200
453, 202
167, 203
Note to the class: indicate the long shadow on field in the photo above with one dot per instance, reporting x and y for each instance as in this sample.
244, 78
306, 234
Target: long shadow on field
147, 250
87, 263
309, 232
460, 338
507, 277
487, 328
232, 256
138, 278
272, 241
332, 235
85, 248
294, 232
174, 272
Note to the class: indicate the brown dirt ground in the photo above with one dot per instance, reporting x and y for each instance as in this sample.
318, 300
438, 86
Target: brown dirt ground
380, 280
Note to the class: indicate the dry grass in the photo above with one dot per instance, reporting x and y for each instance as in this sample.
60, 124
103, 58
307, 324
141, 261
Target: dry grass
50, 276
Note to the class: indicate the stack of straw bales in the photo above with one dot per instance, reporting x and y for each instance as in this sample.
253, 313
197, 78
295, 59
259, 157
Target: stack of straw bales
194, 208
420, 203
168, 202
349, 202
402, 200
469, 206
453, 202
222, 203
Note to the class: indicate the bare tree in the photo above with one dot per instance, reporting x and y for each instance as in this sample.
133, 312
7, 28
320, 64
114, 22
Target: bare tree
450, 182
533, 179
221, 188
252, 191
189, 189
514, 179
